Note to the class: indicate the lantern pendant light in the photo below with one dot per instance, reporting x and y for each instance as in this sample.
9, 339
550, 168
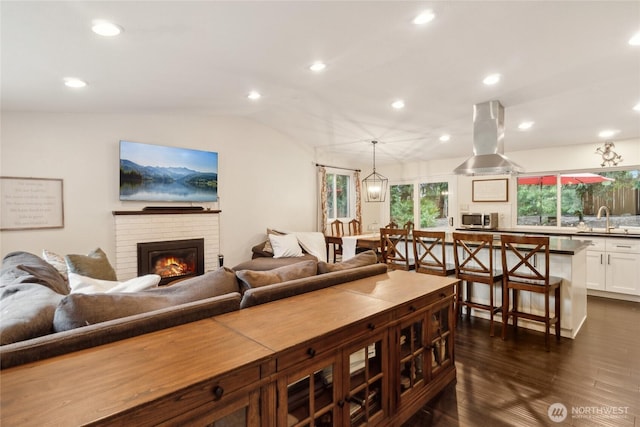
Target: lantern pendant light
375, 185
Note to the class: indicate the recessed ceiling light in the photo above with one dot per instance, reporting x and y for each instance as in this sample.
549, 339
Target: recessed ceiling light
445, 138
424, 17
635, 40
491, 79
105, 28
254, 95
637, 107
399, 104
525, 125
318, 66
74, 82
608, 133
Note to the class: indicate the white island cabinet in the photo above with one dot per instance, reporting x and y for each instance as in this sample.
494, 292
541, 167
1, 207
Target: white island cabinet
613, 268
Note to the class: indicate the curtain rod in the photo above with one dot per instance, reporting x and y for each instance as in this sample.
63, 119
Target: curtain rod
338, 167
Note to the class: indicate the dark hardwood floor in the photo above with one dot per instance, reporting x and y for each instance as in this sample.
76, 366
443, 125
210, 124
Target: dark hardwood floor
513, 382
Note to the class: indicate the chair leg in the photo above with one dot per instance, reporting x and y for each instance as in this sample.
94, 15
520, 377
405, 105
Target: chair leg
491, 306
547, 323
558, 305
514, 315
505, 311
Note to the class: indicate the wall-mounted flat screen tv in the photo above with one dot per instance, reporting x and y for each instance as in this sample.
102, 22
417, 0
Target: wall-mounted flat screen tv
156, 173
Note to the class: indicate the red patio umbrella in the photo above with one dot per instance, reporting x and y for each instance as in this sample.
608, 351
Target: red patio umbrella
565, 179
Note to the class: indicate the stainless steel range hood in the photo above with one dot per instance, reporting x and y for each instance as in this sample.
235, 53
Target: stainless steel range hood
488, 146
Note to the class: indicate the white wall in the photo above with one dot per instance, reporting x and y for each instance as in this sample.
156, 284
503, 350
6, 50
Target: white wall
566, 158
266, 178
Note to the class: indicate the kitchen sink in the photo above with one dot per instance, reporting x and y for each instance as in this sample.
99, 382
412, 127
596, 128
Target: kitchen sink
612, 233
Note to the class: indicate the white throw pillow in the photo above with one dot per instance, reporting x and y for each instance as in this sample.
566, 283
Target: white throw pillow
285, 246
313, 242
87, 285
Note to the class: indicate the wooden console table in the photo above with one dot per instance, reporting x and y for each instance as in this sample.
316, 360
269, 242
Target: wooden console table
371, 351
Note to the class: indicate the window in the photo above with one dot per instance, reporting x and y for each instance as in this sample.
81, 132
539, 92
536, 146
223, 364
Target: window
401, 203
338, 195
434, 204
568, 199
432, 200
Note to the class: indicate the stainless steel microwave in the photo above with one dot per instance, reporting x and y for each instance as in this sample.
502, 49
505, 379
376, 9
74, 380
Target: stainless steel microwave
488, 221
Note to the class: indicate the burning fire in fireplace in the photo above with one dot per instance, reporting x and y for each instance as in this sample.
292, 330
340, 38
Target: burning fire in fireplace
171, 259
171, 266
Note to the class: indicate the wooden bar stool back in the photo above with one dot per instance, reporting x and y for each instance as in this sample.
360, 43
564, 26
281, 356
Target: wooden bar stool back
525, 262
394, 248
474, 263
429, 253
337, 229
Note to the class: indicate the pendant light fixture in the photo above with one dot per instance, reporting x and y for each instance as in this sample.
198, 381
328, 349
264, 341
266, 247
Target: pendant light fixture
375, 185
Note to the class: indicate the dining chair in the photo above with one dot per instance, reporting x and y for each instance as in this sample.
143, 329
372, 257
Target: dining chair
525, 263
408, 225
355, 227
394, 248
429, 253
473, 255
392, 224
337, 229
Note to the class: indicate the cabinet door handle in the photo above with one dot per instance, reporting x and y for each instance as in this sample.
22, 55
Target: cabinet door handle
412, 308
623, 246
601, 259
217, 392
609, 259
341, 403
311, 352
371, 326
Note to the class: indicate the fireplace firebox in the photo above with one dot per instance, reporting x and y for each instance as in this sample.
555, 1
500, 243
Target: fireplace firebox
171, 259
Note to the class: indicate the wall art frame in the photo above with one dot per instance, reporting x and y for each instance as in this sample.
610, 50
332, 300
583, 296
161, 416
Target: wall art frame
490, 190
31, 203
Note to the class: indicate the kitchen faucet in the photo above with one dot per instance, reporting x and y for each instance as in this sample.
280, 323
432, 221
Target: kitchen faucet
606, 212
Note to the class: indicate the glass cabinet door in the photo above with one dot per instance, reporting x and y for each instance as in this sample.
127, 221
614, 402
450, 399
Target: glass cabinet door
440, 337
412, 354
366, 385
306, 398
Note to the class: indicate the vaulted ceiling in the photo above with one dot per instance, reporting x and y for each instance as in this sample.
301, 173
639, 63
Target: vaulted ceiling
567, 66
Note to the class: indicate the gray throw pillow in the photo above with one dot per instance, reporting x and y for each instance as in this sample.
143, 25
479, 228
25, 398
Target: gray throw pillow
27, 311
94, 265
254, 279
361, 259
77, 310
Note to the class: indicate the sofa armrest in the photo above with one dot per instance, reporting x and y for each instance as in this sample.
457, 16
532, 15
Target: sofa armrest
114, 330
264, 294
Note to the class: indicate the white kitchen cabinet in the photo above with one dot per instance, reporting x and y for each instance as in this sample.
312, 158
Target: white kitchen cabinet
613, 265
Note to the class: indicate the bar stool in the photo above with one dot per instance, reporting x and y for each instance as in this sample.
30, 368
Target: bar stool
394, 248
429, 253
472, 269
523, 272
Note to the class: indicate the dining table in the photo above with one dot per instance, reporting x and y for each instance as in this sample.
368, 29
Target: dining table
353, 242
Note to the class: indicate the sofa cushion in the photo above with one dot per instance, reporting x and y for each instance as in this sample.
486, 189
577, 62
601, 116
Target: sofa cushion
269, 263
88, 285
290, 288
25, 267
285, 246
78, 310
95, 265
363, 258
26, 311
255, 279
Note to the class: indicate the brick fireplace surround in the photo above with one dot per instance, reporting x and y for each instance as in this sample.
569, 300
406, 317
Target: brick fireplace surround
133, 227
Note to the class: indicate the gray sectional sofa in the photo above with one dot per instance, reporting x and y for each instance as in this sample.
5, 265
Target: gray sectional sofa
40, 318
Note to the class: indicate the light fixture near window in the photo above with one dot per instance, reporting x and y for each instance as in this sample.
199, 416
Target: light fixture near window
375, 185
